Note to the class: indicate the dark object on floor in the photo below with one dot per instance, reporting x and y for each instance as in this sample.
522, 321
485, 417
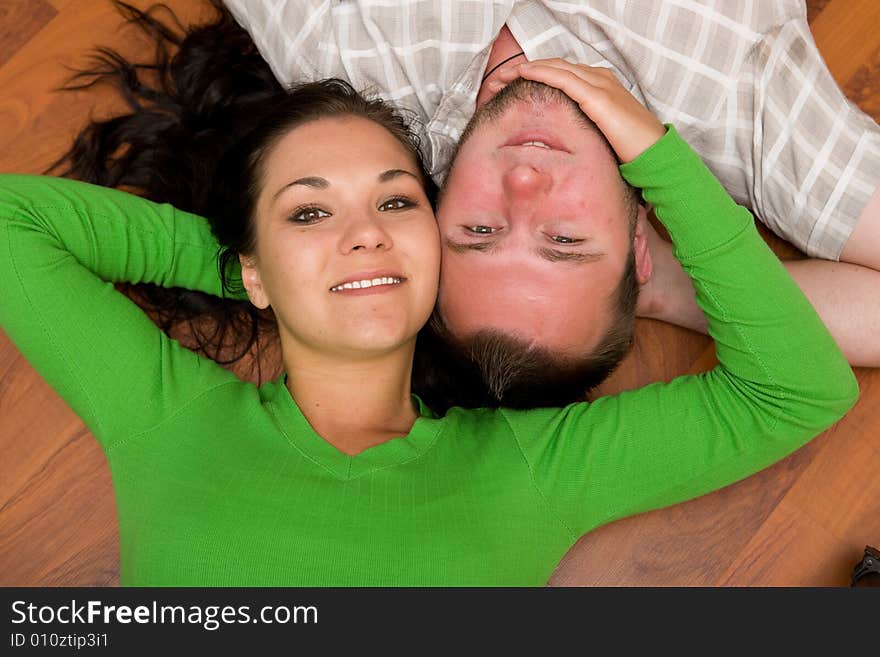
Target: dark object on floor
867, 571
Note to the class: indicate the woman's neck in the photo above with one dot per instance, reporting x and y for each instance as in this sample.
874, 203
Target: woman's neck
504, 47
354, 404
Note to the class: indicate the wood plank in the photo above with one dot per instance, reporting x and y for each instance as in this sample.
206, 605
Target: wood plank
39, 123
835, 502
814, 8
56, 492
863, 87
60, 5
847, 36
20, 20
792, 550
841, 490
689, 544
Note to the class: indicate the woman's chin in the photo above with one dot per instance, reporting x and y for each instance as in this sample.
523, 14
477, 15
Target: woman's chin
377, 339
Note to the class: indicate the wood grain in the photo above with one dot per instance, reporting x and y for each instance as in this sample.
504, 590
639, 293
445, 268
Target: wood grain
847, 36
814, 7
803, 521
863, 88
20, 20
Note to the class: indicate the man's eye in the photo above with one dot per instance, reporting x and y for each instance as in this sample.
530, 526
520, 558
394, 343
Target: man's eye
562, 239
480, 230
398, 203
308, 215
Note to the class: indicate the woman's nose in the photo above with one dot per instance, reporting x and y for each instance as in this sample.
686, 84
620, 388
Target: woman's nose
364, 234
525, 181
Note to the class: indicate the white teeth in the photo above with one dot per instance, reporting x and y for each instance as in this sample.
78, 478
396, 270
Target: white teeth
357, 285
541, 144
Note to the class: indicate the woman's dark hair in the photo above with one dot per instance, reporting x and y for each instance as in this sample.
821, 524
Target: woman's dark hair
189, 104
202, 116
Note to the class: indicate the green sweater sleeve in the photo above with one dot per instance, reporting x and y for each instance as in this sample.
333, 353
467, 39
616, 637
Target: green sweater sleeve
781, 378
62, 245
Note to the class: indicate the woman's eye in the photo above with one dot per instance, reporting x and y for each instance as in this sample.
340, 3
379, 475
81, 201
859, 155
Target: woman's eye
308, 215
480, 230
562, 239
396, 204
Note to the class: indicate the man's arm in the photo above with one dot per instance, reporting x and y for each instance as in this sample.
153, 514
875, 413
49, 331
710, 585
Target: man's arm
863, 245
845, 296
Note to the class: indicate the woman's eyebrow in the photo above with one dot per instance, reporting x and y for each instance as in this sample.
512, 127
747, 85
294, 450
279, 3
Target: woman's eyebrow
391, 174
316, 182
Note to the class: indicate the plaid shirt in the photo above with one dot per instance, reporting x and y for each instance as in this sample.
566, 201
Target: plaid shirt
742, 80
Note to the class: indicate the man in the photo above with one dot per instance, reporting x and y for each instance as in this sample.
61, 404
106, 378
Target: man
537, 275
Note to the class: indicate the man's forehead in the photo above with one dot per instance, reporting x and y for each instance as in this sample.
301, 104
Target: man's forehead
548, 318
540, 301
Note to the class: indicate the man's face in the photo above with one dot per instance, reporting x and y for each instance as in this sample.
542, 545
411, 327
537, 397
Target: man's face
534, 224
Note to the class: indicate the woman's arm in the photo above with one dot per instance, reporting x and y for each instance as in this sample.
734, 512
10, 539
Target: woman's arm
781, 378
63, 244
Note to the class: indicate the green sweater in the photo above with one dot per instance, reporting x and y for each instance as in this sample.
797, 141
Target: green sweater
221, 482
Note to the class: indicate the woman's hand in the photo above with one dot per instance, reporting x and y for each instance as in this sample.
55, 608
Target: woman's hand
629, 127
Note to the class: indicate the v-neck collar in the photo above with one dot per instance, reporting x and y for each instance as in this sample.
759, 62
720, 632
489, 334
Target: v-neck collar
344, 466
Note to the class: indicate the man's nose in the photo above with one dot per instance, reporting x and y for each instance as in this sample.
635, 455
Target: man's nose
365, 233
524, 181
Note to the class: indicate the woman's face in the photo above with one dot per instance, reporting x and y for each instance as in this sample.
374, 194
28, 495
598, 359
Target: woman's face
347, 248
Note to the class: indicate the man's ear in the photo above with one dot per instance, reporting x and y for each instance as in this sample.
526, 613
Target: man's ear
644, 264
250, 277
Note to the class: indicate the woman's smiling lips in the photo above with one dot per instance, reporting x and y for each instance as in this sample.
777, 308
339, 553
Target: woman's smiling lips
371, 282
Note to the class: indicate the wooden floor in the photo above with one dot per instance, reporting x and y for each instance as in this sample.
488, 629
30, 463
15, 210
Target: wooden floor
802, 522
